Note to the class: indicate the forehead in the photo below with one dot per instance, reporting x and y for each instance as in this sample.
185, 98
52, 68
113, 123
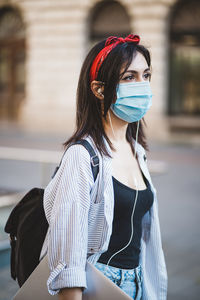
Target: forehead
138, 63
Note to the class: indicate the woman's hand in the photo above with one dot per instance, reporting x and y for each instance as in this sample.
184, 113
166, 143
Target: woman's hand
70, 294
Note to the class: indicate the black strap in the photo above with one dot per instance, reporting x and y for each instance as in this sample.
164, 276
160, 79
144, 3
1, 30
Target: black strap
94, 160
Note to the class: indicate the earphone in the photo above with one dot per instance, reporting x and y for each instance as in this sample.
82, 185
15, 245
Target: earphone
99, 91
136, 194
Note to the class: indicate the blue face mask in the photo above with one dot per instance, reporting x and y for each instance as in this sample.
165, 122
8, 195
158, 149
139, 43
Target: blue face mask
133, 101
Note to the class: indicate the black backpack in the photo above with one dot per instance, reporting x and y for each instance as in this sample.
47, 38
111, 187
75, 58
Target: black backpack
27, 226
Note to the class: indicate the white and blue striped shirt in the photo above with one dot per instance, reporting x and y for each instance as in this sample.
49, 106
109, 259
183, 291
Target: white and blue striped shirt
80, 215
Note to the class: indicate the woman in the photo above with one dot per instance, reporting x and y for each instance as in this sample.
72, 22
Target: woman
113, 221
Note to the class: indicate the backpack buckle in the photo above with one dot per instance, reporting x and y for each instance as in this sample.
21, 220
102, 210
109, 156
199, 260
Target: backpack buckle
94, 160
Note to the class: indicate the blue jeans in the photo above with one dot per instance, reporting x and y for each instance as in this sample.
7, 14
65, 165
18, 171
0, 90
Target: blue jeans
130, 281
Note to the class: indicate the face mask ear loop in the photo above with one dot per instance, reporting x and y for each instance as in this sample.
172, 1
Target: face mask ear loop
132, 214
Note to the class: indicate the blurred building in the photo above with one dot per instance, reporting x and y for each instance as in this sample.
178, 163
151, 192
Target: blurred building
43, 43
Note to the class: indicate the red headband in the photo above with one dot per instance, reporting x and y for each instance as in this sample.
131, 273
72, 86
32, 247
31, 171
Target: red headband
110, 43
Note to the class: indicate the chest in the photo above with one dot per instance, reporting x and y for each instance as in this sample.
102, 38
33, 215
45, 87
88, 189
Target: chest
125, 168
125, 198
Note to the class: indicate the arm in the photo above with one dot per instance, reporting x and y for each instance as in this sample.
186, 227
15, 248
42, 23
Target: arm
70, 294
68, 222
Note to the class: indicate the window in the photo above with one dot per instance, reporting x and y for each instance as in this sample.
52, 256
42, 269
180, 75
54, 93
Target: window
12, 62
184, 97
108, 18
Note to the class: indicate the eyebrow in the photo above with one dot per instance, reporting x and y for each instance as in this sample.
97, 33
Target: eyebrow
133, 71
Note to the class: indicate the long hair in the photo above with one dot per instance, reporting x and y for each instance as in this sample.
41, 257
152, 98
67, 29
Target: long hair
88, 107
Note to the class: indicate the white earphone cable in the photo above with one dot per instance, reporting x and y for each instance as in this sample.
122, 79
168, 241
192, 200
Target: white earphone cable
111, 125
136, 197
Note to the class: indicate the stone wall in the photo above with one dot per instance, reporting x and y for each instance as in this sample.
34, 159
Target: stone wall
57, 36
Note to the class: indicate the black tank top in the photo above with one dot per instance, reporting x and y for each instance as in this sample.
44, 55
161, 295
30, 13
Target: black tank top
124, 201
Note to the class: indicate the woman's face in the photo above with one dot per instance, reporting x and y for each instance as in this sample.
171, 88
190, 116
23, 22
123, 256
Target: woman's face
138, 70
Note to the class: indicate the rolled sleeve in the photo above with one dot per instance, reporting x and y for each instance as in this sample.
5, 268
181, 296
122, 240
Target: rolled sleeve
68, 221
75, 277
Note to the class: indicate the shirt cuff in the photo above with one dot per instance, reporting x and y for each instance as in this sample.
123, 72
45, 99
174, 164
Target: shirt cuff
62, 277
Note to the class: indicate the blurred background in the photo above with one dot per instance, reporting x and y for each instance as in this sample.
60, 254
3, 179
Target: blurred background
42, 46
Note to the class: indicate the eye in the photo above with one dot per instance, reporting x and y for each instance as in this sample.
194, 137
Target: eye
128, 77
147, 75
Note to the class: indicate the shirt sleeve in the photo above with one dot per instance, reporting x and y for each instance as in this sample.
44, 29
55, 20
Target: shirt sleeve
69, 196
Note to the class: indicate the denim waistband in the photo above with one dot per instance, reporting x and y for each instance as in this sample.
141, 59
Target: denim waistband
124, 273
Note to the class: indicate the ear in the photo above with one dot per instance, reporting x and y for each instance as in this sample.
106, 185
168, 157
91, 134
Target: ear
97, 88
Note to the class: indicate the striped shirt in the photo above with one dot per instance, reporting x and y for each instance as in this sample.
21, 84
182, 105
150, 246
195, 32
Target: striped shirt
80, 215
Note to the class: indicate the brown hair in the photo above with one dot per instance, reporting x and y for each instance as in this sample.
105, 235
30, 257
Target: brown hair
88, 107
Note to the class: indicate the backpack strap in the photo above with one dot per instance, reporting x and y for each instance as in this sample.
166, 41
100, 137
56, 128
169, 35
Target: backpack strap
94, 160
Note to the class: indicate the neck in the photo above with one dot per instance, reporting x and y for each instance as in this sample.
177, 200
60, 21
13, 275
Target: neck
115, 128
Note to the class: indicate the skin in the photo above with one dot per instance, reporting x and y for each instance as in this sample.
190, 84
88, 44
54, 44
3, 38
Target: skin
70, 294
125, 167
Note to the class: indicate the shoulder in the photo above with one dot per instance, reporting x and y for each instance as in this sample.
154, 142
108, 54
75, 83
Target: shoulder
76, 152
74, 170
79, 151
77, 158
82, 151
